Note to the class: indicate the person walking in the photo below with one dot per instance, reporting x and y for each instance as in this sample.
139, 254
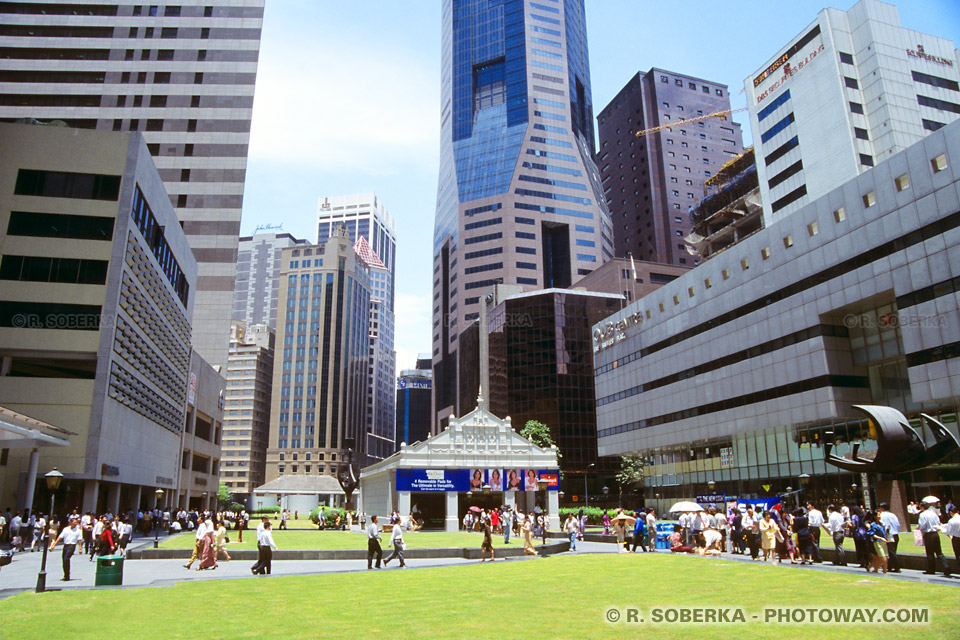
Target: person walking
38, 527
803, 529
620, 533
265, 549
639, 532
70, 536
283, 518
878, 537
221, 541
751, 532
891, 524
125, 532
373, 543
487, 544
768, 535
571, 528
396, 539
201, 531
815, 523
651, 530
929, 524
528, 547
836, 525
507, 525
952, 529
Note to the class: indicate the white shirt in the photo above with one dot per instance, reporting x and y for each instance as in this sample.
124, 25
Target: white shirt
815, 518
748, 522
372, 531
929, 521
70, 535
835, 523
891, 522
952, 527
126, 529
265, 538
97, 528
651, 522
203, 528
397, 535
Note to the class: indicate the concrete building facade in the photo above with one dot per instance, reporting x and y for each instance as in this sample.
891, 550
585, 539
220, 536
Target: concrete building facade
256, 294
199, 478
182, 74
651, 183
852, 89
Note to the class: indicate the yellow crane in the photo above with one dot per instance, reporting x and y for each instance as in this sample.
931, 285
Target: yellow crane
715, 114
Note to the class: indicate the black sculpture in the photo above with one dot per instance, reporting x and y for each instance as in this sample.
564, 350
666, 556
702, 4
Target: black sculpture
899, 447
345, 474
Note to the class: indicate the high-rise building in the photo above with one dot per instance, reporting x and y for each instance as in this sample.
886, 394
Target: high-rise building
519, 198
413, 402
198, 479
96, 294
851, 90
246, 419
320, 372
256, 293
182, 74
652, 182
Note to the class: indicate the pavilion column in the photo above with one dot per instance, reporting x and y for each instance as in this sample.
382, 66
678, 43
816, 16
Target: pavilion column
553, 509
452, 519
509, 499
31, 482
91, 490
403, 502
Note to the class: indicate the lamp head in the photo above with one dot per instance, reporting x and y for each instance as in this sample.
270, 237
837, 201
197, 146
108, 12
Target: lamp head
53, 479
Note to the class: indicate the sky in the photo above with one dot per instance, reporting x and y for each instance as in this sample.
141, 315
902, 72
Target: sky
348, 101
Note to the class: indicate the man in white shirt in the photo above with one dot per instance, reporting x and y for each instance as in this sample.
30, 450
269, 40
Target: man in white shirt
652, 529
814, 523
373, 543
70, 536
835, 525
684, 521
507, 520
203, 525
750, 529
891, 524
265, 547
952, 529
929, 524
15, 523
396, 539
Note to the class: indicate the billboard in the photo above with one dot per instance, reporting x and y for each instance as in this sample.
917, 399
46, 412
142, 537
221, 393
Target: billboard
473, 479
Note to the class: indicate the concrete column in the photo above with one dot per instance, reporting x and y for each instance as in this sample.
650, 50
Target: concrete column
403, 502
31, 480
91, 489
509, 499
452, 519
553, 509
113, 497
135, 498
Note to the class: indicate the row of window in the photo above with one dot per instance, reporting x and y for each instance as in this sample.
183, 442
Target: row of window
690, 85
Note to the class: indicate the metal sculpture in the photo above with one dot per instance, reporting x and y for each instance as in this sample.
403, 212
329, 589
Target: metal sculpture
345, 474
899, 447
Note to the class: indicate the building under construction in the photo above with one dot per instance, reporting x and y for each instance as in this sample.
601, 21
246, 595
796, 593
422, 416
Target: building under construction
730, 209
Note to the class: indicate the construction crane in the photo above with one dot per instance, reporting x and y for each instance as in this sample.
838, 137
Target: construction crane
715, 114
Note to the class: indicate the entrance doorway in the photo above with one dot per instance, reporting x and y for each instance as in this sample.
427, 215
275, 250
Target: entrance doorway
431, 508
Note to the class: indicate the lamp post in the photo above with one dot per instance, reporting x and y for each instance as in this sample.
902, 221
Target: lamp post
53, 479
586, 496
546, 511
156, 530
804, 483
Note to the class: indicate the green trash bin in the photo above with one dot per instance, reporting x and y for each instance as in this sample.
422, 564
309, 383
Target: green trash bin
109, 571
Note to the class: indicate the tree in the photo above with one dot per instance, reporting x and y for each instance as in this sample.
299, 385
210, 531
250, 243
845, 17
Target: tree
631, 471
224, 495
539, 434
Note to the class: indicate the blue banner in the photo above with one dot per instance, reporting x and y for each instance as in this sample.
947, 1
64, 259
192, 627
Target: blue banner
475, 479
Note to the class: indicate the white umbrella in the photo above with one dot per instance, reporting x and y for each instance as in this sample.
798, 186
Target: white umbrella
930, 500
685, 507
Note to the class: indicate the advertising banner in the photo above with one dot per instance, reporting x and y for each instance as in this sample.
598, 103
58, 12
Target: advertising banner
474, 479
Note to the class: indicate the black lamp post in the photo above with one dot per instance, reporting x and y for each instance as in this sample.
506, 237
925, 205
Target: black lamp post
53, 479
546, 511
586, 496
156, 530
804, 483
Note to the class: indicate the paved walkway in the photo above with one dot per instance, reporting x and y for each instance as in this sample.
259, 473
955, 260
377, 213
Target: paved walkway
21, 574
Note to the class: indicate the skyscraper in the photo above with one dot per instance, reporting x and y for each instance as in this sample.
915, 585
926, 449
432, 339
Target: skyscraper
182, 74
652, 182
256, 293
519, 199
850, 90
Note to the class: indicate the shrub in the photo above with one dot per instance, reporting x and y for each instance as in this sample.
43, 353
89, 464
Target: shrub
329, 514
594, 514
265, 511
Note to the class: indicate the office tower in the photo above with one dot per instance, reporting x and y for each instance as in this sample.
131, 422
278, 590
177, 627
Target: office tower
413, 402
652, 182
851, 90
256, 293
374, 233
246, 419
629, 278
198, 480
96, 295
181, 74
738, 372
519, 199
320, 372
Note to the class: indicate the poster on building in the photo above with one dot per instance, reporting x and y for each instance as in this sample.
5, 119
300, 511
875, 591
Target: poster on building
726, 457
495, 479
551, 478
476, 480
433, 479
514, 480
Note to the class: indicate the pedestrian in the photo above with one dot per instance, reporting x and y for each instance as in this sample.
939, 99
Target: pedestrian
399, 546
751, 531
879, 538
815, 525
891, 525
836, 525
507, 525
952, 529
106, 542
528, 547
373, 543
124, 531
208, 555
70, 536
639, 531
858, 527
620, 533
803, 529
606, 524
582, 521
265, 547
283, 519
768, 535
38, 527
929, 525
198, 542
487, 544
16, 540
221, 540
571, 528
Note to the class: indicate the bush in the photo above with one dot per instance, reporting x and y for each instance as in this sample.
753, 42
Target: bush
236, 507
265, 511
594, 514
329, 515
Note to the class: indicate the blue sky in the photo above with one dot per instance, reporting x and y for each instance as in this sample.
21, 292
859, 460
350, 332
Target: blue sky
348, 100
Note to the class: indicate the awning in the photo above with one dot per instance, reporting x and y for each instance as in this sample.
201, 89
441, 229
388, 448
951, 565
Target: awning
19, 431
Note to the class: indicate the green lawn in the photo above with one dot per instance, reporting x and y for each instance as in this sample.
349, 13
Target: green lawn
558, 597
298, 540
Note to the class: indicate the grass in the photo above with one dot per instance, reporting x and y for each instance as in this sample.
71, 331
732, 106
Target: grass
295, 540
559, 597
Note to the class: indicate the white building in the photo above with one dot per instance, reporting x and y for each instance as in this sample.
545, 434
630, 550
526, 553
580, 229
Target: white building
851, 90
256, 292
439, 476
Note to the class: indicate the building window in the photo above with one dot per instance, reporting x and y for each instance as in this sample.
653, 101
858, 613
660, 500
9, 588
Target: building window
860, 133
676, 300
678, 82
726, 274
856, 107
902, 182
664, 79
850, 83
787, 241
690, 291
840, 214
707, 283
813, 228
866, 160
869, 199
939, 163
765, 252
846, 58
744, 263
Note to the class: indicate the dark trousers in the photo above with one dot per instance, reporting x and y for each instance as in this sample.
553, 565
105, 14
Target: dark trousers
264, 557
893, 564
815, 537
373, 549
753, 543
931, 544
638, 542
396, 553
839, 556
88, 541
68, 550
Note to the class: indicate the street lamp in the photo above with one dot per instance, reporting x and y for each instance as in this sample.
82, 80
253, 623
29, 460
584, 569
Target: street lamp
486, 489
804, 483
546, 511
53, 479
156, 530
586, 496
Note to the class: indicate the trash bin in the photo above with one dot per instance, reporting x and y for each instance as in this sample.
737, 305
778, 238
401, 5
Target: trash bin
109, 571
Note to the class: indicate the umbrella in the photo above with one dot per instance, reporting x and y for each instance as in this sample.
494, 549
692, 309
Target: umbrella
930, 500
477, 509
625, 518
685, 507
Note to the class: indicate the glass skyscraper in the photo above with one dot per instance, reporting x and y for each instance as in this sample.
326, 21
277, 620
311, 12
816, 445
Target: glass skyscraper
519, 199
